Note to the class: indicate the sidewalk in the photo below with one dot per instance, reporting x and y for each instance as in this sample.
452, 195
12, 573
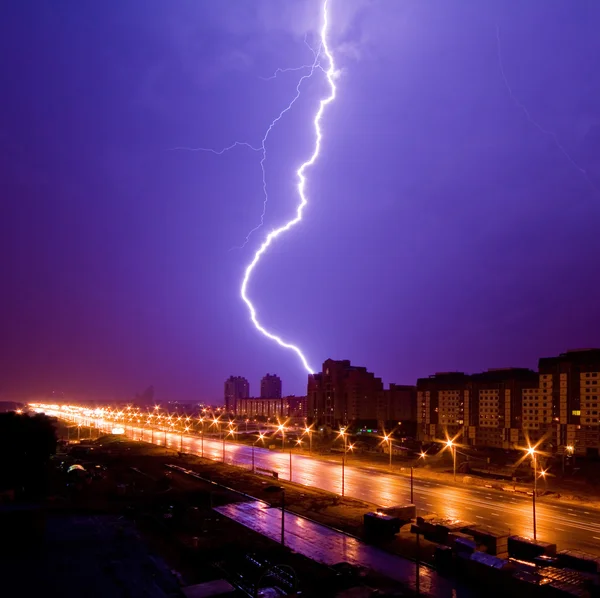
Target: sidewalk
329, 547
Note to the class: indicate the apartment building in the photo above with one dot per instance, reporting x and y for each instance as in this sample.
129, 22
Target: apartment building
396, 404
290, 408
570, 384
342, 393
485, 409
443, 406
501, 399
236, 388
270, 387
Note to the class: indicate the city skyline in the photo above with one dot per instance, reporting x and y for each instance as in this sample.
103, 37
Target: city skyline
452, 214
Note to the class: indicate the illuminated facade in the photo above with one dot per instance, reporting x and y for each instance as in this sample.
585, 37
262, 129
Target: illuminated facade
289, 408
555, 408
442, 406
570, 383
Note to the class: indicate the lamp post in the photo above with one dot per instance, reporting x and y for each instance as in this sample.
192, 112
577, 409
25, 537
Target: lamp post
202, 438
452, 448
282, 490
181, 431
412, 494
282, 430
343, 435
387, 438
532, 453
261, 437
569, 450
309, 432
78, 432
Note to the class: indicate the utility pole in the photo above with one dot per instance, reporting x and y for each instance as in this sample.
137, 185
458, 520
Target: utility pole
418, 568
283, 516
534, 493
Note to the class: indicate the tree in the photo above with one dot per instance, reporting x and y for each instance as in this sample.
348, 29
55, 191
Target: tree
26, 443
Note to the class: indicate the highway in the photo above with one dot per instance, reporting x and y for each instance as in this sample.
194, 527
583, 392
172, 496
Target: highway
570, 526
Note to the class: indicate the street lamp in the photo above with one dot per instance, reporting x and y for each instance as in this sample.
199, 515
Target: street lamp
452, 448
532, 453
202, 438
343, 435
298, 443
224, 437
412, 490
569, 450
282, 490
181, 431
309, 432
389, 442
261, 437
282, 430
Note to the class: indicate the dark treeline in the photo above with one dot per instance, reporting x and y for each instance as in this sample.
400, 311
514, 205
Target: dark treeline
26, 443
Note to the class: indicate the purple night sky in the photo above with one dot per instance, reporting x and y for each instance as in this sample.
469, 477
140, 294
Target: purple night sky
446, 230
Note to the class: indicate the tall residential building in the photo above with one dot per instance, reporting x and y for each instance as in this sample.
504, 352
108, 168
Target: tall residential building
395, 404
236, 388
442, 406
570, 384
270, 387
486, 409
342, 393
499, 403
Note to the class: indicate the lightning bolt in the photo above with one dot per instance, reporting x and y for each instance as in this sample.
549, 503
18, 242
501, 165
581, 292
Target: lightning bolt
300, 173
263, 144
295, 68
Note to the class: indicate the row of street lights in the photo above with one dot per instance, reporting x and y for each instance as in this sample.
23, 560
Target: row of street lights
185, 427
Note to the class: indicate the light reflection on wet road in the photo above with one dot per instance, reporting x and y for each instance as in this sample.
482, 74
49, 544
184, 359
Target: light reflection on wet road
330, 547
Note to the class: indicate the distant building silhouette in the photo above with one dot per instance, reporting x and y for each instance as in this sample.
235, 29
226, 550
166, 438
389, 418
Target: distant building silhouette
396, 404
147, 397
270, 387
236, 388
343, 393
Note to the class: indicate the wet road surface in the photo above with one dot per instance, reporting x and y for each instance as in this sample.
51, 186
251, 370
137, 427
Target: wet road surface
570, 526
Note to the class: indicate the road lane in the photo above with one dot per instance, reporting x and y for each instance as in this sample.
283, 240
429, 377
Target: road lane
569, 526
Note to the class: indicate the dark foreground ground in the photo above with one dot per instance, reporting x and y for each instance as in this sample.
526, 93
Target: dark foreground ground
137, 530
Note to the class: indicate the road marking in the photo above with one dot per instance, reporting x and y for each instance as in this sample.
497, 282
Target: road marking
428, 504
596, 537
495, 515
468, 508
559, 529
586, 513
479, 516
570, 510
487, 496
